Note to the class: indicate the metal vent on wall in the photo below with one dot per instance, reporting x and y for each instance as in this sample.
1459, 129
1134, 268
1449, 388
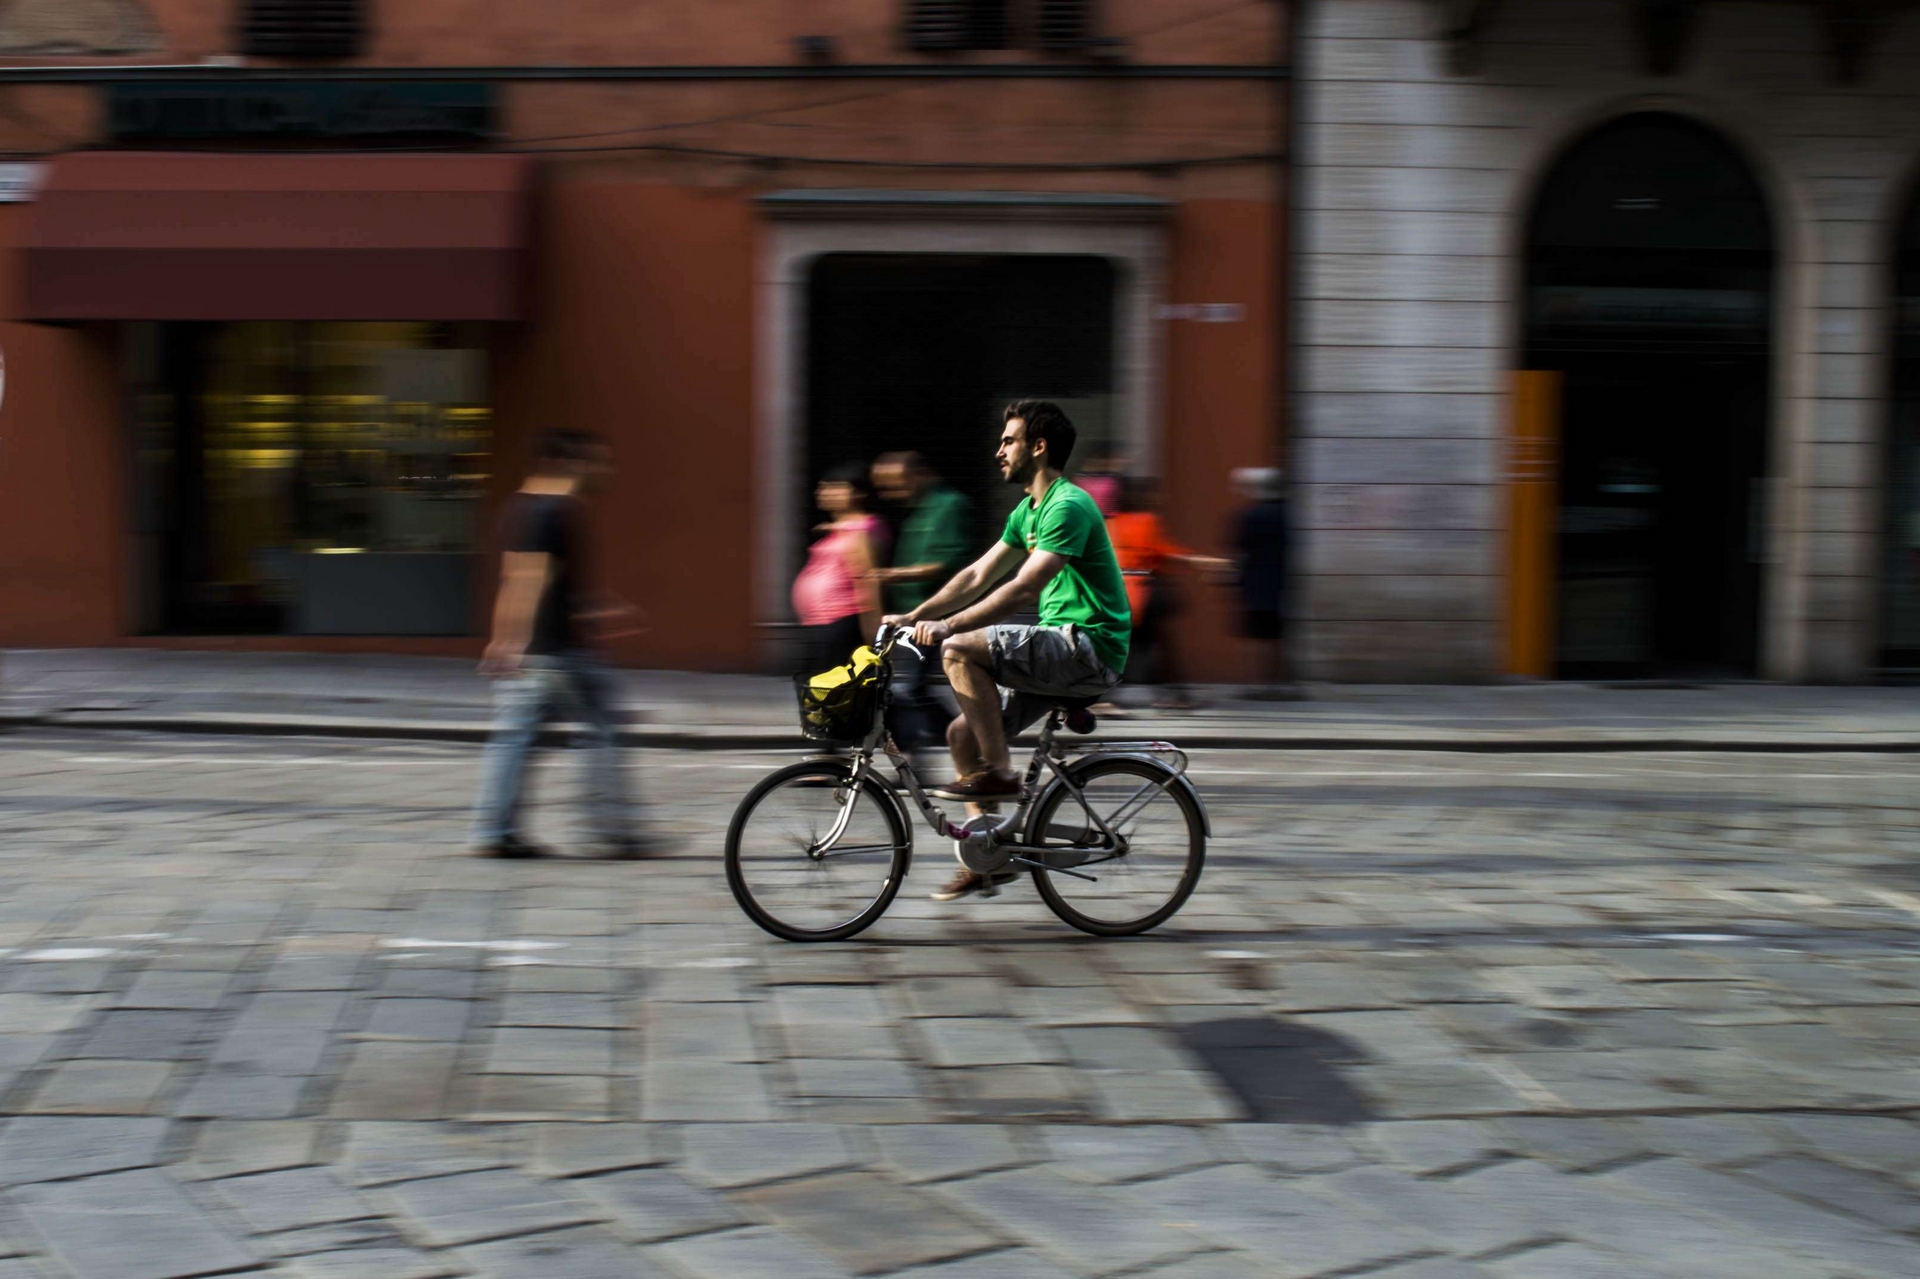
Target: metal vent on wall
302, 28
952, 26
1062, 24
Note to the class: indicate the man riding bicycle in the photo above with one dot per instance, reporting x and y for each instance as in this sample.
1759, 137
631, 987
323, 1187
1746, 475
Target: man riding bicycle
1005, 677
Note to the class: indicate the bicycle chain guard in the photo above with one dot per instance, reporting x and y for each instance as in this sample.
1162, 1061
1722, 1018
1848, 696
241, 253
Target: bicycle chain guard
977, 849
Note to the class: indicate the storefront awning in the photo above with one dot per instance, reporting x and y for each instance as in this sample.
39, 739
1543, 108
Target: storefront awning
144, 235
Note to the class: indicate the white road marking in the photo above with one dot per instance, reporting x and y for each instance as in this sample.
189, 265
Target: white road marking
430, 943
282, 761
1491, 775
69, 952
1905, 901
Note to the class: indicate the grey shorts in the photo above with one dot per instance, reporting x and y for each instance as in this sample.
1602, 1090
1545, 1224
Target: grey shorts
1036, 666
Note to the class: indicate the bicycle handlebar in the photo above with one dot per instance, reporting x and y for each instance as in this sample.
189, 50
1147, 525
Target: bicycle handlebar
887, 637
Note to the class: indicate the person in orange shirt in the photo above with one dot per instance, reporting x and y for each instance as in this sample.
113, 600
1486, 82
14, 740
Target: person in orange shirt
1147, 555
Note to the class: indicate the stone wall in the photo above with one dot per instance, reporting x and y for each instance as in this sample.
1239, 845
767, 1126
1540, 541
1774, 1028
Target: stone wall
39, 28
1415, 183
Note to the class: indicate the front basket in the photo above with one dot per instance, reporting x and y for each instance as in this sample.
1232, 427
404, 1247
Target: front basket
843, 714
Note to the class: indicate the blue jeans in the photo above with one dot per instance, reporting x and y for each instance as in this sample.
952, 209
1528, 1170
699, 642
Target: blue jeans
522, 704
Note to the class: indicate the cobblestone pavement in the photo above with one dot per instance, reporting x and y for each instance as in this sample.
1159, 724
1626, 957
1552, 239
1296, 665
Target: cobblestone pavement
1428, 1017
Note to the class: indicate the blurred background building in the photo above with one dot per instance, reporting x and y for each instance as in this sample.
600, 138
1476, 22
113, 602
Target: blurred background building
292, 284
1674, 247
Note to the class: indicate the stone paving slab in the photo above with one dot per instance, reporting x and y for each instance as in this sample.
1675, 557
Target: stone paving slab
372, 1263
474, 1207
559, 1254
130, 1225
757, 1253
868, 1224
37, 1149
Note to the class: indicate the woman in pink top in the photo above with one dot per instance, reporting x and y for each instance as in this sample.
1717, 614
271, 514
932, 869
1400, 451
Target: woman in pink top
835, 596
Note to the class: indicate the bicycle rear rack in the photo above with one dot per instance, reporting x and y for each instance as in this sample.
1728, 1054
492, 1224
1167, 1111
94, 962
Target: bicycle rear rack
1176, 758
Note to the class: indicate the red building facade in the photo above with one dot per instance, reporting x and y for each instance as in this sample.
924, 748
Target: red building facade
294, 287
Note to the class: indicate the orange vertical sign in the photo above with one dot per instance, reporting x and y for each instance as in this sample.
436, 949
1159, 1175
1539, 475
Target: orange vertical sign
1533, 499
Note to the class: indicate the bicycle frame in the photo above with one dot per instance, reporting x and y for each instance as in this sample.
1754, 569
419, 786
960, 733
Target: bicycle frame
1048, 754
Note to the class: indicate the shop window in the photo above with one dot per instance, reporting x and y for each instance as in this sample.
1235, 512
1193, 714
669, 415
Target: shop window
954, 26
316, 479
301, 28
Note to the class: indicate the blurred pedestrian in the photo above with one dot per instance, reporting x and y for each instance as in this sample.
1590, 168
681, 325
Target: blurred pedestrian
1148, 557
1105, 476
1259, 542
541, 654
835, 597
935, 538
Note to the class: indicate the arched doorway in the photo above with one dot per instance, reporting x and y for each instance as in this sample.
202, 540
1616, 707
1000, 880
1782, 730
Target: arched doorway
1900, 567
1649, 288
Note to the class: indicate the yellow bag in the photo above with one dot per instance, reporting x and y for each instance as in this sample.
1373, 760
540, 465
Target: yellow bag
838, 705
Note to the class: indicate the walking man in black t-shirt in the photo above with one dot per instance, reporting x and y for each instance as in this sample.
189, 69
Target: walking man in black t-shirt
539, 654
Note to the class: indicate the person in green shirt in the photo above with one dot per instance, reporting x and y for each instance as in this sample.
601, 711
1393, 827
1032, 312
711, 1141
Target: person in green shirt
931, 548
1057, 541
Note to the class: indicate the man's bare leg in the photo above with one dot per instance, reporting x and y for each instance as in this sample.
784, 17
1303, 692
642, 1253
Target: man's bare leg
965, 751
965, 658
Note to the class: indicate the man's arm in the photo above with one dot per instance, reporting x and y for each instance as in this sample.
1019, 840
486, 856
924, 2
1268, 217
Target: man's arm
523, 578
1025, 587
968, 584
1019, 593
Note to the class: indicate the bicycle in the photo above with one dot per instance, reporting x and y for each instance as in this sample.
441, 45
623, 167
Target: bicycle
817, 851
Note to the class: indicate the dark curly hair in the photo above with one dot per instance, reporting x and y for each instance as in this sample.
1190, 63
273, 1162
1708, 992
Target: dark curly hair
1045, 421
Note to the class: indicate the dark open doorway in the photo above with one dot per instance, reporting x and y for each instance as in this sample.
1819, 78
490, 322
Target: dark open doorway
1900, 562
1649, 286
921, 351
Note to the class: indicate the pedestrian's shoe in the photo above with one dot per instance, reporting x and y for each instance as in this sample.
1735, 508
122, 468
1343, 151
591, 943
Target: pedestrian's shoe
968, 881
512, 847
988, 783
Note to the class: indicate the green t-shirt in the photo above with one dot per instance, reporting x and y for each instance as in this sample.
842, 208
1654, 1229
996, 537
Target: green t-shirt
1088, 592
935, 532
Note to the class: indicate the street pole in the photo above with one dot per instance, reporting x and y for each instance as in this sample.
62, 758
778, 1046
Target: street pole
1289, 48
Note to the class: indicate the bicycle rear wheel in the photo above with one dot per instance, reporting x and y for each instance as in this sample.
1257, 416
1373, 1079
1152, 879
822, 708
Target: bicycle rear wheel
1137, 885
787, 882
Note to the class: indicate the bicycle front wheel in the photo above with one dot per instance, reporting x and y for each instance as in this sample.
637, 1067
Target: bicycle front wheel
1109, 889
789, 872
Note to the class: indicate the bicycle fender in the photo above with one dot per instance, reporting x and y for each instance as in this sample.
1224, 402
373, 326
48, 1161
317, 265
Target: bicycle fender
1179, 779
906, 815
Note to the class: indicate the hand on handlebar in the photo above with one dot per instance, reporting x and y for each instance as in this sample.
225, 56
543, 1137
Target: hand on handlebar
915, 635
931, 634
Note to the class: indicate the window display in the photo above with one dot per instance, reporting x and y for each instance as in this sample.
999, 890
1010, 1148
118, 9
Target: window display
320, 478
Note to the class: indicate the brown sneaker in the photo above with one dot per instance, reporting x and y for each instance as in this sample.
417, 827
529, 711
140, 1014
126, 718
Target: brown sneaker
967, 881
988, 783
